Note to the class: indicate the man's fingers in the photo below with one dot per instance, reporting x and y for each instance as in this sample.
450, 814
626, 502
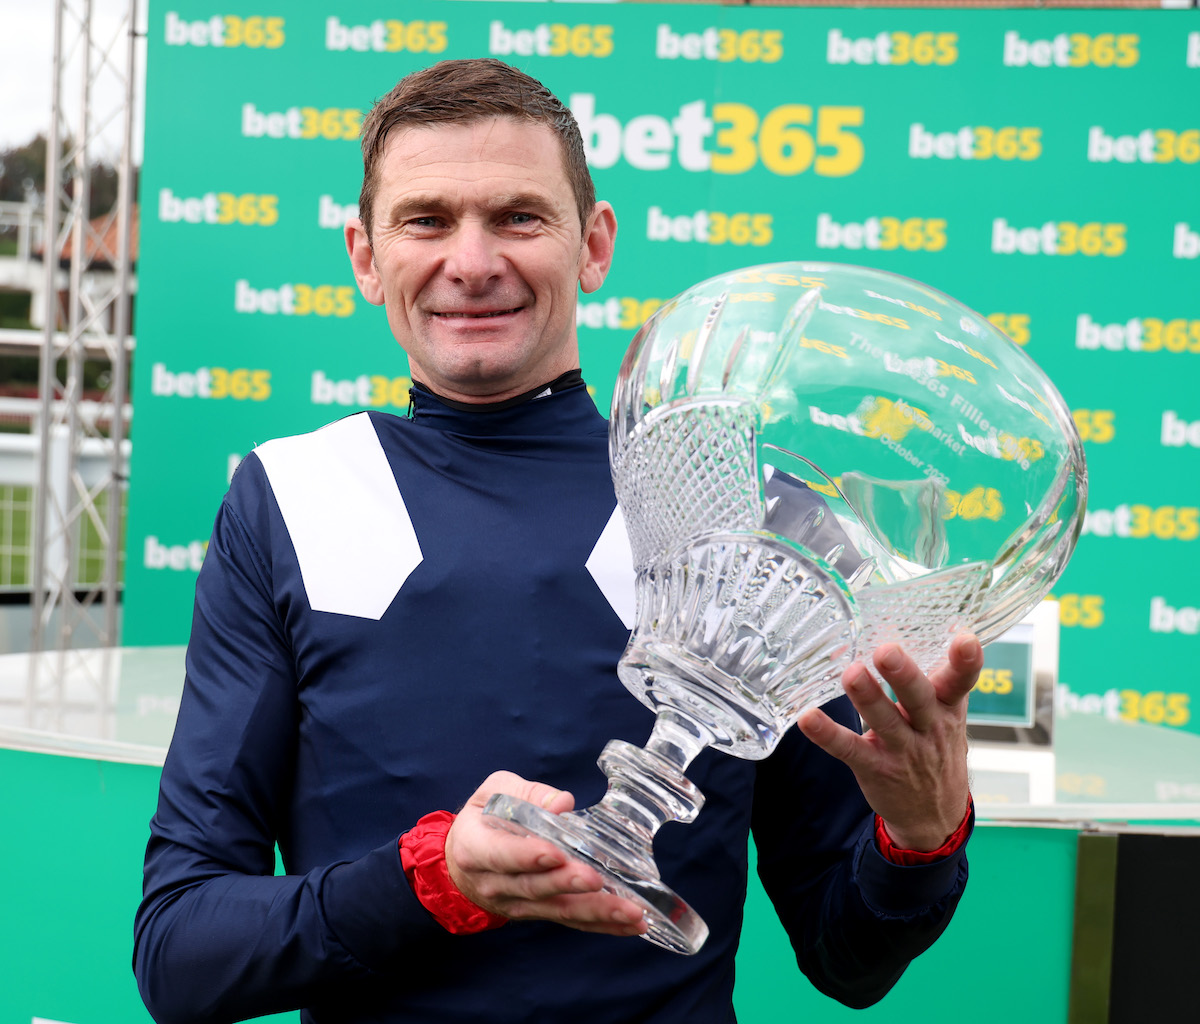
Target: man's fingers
836, 740
556, 801
910, 684
571, 895
481, 848
955, 679
570, 878
876, 708
602, 912
599, 911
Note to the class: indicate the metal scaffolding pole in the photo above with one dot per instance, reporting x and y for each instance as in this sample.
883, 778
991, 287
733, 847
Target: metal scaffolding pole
76, 599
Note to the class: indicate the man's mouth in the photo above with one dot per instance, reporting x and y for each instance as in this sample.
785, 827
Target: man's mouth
477, 316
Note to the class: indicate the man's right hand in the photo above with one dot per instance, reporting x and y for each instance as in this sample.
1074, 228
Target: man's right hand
523, 877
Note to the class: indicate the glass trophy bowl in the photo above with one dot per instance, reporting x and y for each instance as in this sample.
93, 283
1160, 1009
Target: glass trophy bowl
811, 460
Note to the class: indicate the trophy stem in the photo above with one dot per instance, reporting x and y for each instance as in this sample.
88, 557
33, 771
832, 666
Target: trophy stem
646, 789
646, 785
677, 738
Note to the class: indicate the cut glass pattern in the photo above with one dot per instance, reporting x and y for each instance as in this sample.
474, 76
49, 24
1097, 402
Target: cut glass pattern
812, 460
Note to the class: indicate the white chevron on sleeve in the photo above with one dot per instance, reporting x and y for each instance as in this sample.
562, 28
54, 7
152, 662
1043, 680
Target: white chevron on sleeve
352, 533
611, 566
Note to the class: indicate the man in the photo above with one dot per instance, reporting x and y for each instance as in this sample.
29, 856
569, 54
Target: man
391, 609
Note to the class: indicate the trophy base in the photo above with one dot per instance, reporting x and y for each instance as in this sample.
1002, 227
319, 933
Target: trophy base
673, 924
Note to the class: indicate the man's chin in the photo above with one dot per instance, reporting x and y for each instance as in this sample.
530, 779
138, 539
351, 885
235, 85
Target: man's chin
480, 381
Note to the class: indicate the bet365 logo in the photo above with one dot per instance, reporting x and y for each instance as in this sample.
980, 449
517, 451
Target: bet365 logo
790, 139
301, 122
1072, 50
975, 142
1148, 146
294, 299
551, 40
753, 46
248, 208
892, 48
226, 31
1059, 238
913, 234
386, 36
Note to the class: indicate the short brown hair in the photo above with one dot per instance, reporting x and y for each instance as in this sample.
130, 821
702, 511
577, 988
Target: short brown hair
463, 92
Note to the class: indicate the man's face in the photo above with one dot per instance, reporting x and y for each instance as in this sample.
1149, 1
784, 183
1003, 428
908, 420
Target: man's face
476, 256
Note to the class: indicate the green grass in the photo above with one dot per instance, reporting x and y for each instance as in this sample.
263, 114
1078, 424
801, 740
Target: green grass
16, 528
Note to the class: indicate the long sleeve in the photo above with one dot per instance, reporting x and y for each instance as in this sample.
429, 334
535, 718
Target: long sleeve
855, 920
218, 937
310, 724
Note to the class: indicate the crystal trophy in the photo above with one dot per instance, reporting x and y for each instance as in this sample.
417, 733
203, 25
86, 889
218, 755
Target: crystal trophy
811, 460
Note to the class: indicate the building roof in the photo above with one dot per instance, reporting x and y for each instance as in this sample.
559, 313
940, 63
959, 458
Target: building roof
100, 241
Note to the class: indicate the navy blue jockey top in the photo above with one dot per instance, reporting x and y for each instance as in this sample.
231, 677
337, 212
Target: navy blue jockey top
389, 610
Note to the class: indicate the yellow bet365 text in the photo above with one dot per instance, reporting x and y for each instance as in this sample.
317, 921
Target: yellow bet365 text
1177, 335
998, 681
365, 390
1076, 784
712, 227
829, 349
975, 143
219, 208
783, 279
1095, 425
215, 382
301, 123
914, 234
1138, 334
1164, 522
227, 30
295, 299
786, 140
781, 140
618, 314
754, 46
1083, 610
1071, 50
922, 48
1015, 325
1156, 707
1149, 146
386, 36
977, 503
1059, 238
555, 40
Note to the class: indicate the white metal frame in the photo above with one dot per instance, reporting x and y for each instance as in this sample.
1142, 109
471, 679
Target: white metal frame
64, 495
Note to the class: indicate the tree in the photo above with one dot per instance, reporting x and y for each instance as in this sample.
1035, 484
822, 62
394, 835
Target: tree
23, 171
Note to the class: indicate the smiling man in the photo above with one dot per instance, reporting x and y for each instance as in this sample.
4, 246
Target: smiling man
476, 252
401, 616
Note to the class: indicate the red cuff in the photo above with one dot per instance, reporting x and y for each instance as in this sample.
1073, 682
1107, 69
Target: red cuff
911, 858
423, 857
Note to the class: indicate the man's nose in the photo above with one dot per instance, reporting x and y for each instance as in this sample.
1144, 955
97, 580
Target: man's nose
473, 256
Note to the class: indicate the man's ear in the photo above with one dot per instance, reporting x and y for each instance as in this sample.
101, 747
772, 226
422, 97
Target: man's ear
599, 237
362, 260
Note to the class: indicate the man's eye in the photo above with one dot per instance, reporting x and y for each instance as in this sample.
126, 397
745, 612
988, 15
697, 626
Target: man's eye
424, 222
522, 218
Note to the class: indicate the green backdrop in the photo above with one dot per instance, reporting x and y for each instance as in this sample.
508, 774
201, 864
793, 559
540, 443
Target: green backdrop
76, 830
1040, 166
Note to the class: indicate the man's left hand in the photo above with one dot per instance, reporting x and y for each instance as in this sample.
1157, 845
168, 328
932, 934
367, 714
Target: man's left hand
911, 763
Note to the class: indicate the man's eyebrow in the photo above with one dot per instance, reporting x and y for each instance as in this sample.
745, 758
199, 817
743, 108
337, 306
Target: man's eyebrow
418, 204
522, 201
415, 204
